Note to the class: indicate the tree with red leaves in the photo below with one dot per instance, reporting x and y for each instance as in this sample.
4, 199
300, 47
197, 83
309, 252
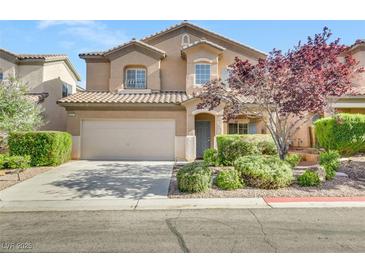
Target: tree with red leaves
285, 87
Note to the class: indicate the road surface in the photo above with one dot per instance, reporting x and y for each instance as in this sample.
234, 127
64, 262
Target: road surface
211, 230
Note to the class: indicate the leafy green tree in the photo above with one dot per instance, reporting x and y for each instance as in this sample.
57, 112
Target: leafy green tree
17, 112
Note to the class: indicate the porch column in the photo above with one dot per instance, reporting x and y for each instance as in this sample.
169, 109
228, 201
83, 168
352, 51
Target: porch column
218, 127
190, 140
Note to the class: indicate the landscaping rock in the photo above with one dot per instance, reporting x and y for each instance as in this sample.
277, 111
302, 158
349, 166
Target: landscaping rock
299, 170
341, 174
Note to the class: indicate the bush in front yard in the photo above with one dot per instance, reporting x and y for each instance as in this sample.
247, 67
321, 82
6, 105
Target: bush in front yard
263, 171
343, 132
2, 160
211, 157
293, 159
194, 177
46, 148
330, 160
309, 178
228, 180
231, 147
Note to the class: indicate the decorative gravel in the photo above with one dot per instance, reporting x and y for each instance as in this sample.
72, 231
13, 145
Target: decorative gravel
11, 178
354, 185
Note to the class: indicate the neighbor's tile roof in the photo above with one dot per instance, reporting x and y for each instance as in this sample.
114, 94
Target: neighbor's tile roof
163, 97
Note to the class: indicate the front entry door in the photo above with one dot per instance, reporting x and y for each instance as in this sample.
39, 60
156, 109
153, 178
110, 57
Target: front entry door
202, 132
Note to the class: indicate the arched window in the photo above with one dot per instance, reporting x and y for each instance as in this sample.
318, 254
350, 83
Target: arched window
185, 40
135, 78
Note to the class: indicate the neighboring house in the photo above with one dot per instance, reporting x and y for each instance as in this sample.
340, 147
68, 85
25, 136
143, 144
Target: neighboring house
49, 77
139, 104
139, 100
350, 104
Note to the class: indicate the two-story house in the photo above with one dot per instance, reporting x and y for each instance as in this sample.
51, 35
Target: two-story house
49, 77
139, 100
139, 104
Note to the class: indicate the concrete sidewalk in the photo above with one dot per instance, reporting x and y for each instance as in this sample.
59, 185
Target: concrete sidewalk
174, 204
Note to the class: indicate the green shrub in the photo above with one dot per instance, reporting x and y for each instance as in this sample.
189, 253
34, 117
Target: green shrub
228, 180
46, 148
18, 162
2, 160
263, 171
309, 178
194, 177
211, 157
330, 160
293, 159
343, 132
230, 147
267, 148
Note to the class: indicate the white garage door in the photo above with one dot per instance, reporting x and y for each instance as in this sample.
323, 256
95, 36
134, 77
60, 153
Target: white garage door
128, 140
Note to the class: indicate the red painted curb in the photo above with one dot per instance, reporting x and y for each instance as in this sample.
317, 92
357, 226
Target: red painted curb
312, 199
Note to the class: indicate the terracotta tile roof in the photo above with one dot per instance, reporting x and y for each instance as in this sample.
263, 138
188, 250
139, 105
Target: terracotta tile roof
24, 56
37, 97
90, 97
42, 57
125, 45
203, 41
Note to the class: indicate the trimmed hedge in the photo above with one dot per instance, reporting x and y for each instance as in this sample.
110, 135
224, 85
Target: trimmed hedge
264, 171
46, 148
194, 177
228, 180
14, 162
343, 132
233, 146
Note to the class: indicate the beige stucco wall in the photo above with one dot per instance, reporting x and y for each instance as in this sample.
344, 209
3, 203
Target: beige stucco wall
97, 76
54, 74
133, 59
7, 68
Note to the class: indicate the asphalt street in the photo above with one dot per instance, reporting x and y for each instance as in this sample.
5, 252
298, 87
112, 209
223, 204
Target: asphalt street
209, 230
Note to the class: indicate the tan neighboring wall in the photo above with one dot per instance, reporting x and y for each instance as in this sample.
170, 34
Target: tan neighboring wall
8, 68
54, 75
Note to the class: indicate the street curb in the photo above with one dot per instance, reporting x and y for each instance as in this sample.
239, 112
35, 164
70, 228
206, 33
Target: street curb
178, 204
313, 202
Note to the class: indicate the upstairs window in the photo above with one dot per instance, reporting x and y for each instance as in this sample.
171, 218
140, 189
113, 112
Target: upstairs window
136, 78
225, 76
202, 74
66, 89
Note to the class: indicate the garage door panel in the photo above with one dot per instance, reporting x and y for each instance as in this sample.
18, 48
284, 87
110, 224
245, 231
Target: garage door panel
128, 140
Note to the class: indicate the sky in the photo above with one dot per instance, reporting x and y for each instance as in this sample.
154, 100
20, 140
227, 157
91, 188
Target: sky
74, 37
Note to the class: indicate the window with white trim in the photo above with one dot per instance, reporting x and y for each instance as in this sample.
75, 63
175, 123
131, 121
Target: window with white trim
66, 89
237, 128
135, 78
202, 74
225, 75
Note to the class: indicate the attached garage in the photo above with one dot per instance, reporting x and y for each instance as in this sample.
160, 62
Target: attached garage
128, 139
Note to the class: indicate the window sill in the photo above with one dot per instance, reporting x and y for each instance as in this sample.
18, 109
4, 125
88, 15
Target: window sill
135, 90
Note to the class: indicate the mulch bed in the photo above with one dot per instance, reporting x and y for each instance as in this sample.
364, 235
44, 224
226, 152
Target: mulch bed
352, 186
11, 178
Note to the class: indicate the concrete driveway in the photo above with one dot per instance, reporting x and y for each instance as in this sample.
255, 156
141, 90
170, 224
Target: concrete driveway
77, 180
